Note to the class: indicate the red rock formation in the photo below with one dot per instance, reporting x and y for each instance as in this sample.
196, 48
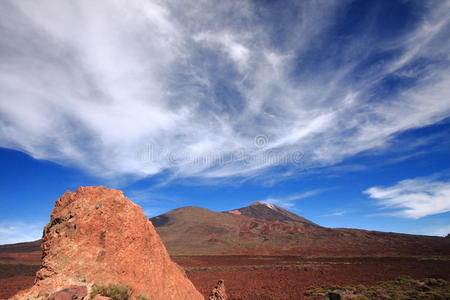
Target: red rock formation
97, 236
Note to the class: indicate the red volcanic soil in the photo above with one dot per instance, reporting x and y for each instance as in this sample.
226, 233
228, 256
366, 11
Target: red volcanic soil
18, 266
250, 277
16, 275
22, 257
268, 277
10, 286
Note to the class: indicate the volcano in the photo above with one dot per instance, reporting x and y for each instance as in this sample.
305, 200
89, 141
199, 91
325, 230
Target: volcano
270, 212
267, 229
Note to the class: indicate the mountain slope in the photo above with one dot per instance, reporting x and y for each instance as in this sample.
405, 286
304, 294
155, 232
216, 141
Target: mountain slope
260, 229
269, 212
21, 247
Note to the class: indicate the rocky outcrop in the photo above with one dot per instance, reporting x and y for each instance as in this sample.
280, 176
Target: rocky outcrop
97, 236
218, 292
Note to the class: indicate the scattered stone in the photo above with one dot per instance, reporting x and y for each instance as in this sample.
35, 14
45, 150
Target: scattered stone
218, 292
334, 296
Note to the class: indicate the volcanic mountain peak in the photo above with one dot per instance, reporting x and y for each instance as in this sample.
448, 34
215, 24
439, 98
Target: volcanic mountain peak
265, 204
270, 212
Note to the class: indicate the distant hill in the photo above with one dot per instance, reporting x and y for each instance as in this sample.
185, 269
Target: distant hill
22, 247
266, 229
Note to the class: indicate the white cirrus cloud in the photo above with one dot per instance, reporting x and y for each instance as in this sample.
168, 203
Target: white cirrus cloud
336, 213
17, 232
414, 198
96, 84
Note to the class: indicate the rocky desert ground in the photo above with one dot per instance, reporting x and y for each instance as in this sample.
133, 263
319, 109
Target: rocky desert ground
260, 277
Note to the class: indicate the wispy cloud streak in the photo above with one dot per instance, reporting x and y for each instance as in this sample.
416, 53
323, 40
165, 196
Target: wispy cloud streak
104, 85
414, 198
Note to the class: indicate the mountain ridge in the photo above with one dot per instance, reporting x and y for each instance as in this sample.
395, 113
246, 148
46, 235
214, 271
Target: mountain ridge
266, 229
270, 212
253, 230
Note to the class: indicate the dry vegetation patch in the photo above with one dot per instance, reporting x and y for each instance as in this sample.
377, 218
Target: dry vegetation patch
404, 287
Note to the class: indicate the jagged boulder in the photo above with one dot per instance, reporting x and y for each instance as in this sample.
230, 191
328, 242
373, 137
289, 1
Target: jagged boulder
218, 292
97, 236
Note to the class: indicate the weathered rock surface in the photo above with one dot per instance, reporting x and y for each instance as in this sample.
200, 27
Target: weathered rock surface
70, 293
218, 292
97, 236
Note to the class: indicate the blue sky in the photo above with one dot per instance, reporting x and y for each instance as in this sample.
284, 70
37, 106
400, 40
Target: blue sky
336, 110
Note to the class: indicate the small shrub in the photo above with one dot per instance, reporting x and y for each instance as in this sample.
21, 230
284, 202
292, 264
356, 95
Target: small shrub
355, 297
435, 282
114, 291
436, 296
403, 288
142, 298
